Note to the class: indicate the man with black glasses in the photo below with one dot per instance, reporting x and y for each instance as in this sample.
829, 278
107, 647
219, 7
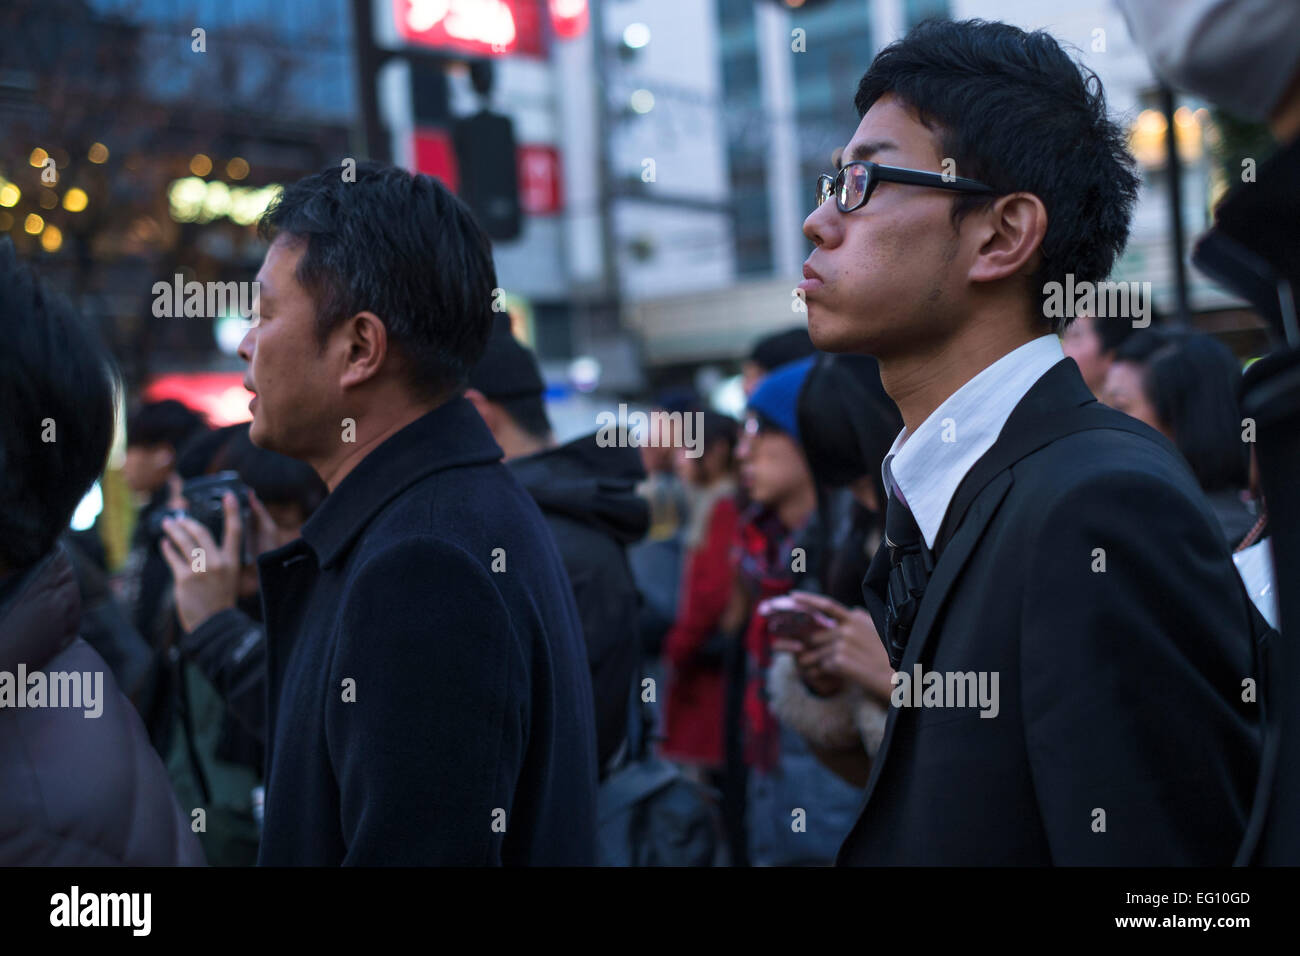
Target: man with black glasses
1040, 548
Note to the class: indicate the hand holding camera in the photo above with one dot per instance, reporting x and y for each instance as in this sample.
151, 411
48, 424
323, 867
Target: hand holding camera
210, 577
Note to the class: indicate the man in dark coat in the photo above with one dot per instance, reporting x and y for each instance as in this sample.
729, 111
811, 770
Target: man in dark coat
429, 701
587, 494
1069, 636
81, 784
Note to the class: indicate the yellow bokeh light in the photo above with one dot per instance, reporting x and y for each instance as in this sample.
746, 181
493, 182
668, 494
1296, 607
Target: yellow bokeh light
237, 168
51, 239
9, 195
38, 157
75, 200
98, 153
33, 224
200, 165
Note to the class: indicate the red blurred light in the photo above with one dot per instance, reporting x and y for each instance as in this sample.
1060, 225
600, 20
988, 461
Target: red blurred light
220, 396
569, 18
481, 27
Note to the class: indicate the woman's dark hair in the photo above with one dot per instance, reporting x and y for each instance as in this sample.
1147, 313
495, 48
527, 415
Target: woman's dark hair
848, 423
1144, 343
403, 247
1012, 110
58, 392
1192, 384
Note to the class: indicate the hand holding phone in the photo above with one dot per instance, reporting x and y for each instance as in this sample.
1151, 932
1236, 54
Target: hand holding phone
787, 617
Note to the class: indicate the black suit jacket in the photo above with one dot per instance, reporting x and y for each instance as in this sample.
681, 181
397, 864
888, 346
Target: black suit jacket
1121, 736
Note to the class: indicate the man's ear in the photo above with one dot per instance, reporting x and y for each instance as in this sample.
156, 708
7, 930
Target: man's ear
366, 341
1011, 237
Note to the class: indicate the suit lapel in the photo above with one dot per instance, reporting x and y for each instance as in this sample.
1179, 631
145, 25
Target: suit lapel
1061, 388
945, 574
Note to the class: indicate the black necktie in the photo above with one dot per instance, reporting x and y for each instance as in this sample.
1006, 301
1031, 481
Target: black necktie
897, 578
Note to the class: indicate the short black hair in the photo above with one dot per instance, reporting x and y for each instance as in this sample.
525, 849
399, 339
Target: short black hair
780, 348
402, 246
1192, 384
168, 422
529, 413
54, 374
1013, 111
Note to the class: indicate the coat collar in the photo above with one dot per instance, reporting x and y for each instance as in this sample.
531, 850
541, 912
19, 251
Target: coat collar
450, 436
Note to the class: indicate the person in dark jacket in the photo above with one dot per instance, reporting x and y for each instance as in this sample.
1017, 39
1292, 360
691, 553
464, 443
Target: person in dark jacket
587, 494
215, 753
155, 434
82, 785
429, 700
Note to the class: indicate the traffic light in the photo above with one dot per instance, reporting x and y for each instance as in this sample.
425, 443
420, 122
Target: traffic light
489, 176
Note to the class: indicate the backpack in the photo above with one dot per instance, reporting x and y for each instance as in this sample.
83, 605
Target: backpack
649, 813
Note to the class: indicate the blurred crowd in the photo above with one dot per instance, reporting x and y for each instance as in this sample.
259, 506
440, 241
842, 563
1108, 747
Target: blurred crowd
719, 589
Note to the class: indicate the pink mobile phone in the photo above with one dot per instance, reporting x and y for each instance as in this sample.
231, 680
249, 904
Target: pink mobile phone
786, 617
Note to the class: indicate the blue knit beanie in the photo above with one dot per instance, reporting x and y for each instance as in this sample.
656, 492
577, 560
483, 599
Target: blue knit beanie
777, 396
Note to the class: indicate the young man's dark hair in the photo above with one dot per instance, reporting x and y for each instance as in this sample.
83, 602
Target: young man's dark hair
168, 422
77, 791
403, 247
1011, 109
59, 398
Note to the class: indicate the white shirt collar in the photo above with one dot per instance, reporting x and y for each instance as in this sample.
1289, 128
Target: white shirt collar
929, 464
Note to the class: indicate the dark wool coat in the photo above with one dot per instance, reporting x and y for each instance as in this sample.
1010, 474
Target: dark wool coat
428, 700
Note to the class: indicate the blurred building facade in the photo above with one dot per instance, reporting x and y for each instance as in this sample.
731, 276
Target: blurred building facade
665, 152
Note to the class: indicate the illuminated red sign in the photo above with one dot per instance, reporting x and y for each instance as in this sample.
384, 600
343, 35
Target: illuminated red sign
539, 180
481, 27
436, 156
540, 176
568, 17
